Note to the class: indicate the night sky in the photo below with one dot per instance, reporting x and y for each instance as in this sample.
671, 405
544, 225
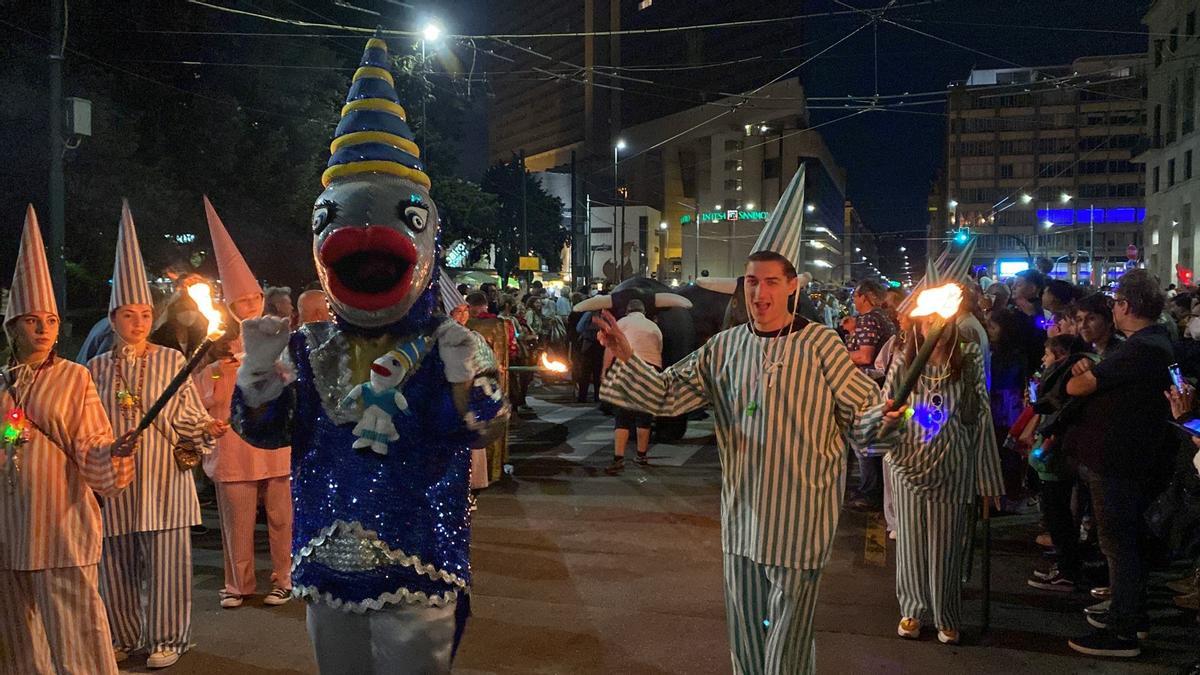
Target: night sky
891, 157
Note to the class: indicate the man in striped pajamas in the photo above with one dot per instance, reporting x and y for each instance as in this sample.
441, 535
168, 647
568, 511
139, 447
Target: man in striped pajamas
146, 537
786, 396
53, 455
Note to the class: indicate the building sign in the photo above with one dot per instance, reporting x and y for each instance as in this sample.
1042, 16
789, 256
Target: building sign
530, 263
730, 215
1120, 214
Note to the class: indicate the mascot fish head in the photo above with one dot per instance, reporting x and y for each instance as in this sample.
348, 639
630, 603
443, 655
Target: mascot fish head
375, 225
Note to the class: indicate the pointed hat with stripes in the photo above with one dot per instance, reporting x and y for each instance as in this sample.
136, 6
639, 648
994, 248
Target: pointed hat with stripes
782, 233
373, 135
943, 269
32, 290
129, 283
237, 281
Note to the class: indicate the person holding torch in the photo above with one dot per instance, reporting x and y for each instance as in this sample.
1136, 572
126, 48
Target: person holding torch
943, 456
785, 397
146, 537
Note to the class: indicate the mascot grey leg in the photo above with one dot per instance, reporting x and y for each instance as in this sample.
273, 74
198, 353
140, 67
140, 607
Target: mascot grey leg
399, 639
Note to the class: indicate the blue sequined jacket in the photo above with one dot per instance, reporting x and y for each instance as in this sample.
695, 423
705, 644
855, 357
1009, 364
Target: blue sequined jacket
371, 529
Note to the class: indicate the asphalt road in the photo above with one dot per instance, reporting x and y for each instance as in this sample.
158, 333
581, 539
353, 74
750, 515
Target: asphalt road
579, 572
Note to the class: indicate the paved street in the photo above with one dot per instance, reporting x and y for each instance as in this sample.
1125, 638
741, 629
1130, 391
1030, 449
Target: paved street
578, 572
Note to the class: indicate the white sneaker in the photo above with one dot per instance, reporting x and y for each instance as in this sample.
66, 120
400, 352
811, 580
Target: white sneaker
162, 659
277, 596
229, 600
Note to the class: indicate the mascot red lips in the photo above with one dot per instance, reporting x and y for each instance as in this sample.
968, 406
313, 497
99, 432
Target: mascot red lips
370, 268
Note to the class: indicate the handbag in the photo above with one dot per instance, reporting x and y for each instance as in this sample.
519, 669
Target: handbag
187, 457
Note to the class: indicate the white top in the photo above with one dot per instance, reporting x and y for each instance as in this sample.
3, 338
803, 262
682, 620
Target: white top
785, 409
563, 305
644, 336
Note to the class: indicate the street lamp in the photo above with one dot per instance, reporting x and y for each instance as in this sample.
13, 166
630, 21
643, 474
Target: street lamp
432, 32
749, 206
1025, 199
1064, 198
810, 208
903, 249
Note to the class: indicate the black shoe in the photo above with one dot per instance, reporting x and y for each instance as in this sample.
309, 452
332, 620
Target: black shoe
199, 530
1105, 643
1055, 582
617, 466
861, 503
642, 459
1100, 620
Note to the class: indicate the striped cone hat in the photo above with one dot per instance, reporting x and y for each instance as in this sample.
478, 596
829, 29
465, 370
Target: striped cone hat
32, 290
783, 232
448, 292
129, 283
944, 268
373, 135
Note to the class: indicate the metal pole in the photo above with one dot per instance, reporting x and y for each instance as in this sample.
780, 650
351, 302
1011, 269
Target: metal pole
616, 195
587, 214
58, 272
524, 218
696, 272
621, 271
576, 235
1092, 243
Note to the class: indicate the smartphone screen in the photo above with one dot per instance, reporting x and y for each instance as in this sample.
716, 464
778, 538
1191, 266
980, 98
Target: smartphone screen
1191, 426
1033, 385
1176, 376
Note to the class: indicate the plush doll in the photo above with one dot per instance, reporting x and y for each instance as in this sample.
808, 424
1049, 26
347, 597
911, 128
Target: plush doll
381, 401
381, 539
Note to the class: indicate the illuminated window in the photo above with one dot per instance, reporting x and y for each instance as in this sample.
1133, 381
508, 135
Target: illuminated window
644, 4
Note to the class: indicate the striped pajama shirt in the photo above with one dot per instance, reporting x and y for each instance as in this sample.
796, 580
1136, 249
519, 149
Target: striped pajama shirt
146, 526
784, 408
941, 458
51, 615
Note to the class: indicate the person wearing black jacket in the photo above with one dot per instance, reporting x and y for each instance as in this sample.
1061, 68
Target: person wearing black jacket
1120, 450
1055, 406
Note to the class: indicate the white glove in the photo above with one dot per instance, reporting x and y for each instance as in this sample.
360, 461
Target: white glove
264, 339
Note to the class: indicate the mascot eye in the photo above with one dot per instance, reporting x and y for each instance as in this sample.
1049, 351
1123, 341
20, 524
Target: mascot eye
414, 214
323, 214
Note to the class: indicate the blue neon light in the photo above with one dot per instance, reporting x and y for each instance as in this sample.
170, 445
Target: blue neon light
1118, 214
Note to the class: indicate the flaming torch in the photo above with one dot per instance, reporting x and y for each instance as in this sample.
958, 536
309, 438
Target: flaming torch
553, 366
942, 302
201, 294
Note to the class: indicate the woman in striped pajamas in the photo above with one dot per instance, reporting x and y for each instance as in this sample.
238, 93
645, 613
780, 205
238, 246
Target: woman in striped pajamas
942, 457
146, 537
57, 450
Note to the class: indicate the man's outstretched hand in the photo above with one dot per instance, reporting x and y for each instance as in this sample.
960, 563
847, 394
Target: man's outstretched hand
611, 336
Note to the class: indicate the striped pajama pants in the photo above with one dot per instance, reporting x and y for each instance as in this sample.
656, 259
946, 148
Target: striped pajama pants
160, 561
769, 611
52, 621
929, 555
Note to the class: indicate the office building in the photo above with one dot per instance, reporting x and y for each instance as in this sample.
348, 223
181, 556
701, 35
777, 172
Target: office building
1039, 158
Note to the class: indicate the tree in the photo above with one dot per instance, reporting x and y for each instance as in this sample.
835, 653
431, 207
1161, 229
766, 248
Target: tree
542, 222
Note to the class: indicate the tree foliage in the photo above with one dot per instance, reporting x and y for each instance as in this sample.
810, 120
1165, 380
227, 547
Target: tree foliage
530, 212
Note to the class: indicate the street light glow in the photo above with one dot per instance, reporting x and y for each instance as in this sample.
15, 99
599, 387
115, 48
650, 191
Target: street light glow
1064, 198
857, 249
432, 32
1025, 199
620, 144
749, 206
662, 225
953, 204
810, 208
903, 249
822, 263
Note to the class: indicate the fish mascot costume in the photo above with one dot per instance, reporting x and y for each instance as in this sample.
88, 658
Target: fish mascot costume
380, 406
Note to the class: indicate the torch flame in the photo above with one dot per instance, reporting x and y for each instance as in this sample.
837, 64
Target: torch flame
553, 366
942, 300
201, 294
